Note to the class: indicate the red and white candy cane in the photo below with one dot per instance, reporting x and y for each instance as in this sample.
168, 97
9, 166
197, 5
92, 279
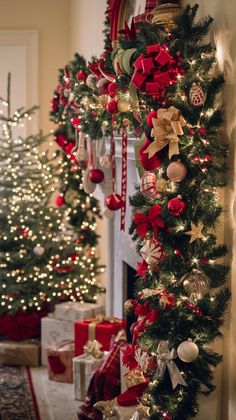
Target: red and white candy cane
123, 177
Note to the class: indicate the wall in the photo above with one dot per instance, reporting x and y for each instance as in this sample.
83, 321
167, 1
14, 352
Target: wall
51, 19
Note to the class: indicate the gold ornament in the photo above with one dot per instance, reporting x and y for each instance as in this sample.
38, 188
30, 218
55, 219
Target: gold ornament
165, 15
161, 184
123, 105
102, 101
166, 128
195, 284
195, 232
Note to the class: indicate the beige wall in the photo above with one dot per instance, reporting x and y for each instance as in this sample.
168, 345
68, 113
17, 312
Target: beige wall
51, 19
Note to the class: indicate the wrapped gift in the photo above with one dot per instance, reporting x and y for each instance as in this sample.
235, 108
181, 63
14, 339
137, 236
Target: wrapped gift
100, 328
23, 353
60, 358
83, 368
76, 311
54, 331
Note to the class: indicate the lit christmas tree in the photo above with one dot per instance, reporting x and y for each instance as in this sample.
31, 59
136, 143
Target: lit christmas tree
43, 260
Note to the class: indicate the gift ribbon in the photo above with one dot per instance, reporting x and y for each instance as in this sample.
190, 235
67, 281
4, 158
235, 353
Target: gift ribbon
124, 177
151, 221
135, 377
82, 380
113, 161
98, 320
167, 127
93, 348
165, 359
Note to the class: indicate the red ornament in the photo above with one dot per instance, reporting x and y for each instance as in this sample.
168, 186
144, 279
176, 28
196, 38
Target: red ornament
112, 89
154, 162
204, 261
176, 206
63, 101
60, 200
112, 106
81, 76
150, 116
202, 131
75, 121
148, 185
114, 202
166, 415
96, 176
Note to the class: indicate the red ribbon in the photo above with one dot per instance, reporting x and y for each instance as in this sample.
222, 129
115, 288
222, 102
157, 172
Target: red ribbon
151, 221
124, 178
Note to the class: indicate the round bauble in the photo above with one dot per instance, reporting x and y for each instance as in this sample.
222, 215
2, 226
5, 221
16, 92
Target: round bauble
196, 284
81, 76
114, 202
102, 85
197, 96
60, 200
91, 81
112, 89
112, 106
123, 105
75, 121
148, 185
150, 116
188, 351
96, 176
88, 185
102, 101
176, 206
176, 171
39, 250
106, 161
154, 162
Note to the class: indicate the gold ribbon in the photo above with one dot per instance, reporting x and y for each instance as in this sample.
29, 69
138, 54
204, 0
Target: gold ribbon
93, 348
152, 292
134, 377
98, 320
82, 380
108, 409
166, 128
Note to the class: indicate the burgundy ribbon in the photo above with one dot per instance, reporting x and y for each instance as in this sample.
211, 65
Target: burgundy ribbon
123, 177
151, 221
112, 152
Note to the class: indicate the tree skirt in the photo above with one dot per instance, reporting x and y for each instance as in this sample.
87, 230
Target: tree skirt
17, 397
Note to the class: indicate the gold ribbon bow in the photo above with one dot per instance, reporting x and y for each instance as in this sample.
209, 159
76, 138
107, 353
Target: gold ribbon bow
134, 377
98, 320
93, 348
166, 128
108, 409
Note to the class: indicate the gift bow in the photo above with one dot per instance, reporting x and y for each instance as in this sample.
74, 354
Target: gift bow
93, 348
108, 409
167, 127
165, 359
97, 320
152, 220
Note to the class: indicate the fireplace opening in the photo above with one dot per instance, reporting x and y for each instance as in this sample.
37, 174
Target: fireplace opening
130, 276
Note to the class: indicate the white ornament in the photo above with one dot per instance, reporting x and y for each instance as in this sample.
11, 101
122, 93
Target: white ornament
188, 351
196, 95
152, 251
39, 250
106, 161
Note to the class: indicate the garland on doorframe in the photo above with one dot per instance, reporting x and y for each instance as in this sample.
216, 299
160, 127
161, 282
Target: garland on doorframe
175, 89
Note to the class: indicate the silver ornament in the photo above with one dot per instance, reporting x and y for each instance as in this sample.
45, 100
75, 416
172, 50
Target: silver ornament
39, 250
196, 284
188, 351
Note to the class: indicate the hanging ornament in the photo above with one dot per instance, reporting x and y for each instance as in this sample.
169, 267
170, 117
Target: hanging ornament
176, 171
197, 96
123, 177
39, 250
81, 152
106, 161
123, 105
152, 251
195, 232
166, 415
88, 185
75, 121
112, 106
188, 351
196, 284
91, 81
102, 85
60, 200
148, 185
114, 202
96, 176
176, 206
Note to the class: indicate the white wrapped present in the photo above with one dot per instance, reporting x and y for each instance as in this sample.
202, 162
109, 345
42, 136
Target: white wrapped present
54, 331
83, 368
77, 311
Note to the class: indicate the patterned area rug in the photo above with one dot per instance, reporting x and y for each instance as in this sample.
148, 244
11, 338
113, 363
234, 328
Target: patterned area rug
17, 397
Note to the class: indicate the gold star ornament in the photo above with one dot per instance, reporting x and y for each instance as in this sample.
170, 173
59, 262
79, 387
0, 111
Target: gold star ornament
195, 232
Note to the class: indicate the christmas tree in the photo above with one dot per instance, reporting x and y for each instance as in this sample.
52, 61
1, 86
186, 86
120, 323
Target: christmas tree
43, 260
181, 289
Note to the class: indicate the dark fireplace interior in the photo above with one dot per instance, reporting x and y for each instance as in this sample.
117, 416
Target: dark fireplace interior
130, 280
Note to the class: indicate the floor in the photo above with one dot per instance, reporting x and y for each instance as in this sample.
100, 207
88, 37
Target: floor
55, 399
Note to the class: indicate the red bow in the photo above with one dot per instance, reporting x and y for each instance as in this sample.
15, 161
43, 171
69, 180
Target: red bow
151, 221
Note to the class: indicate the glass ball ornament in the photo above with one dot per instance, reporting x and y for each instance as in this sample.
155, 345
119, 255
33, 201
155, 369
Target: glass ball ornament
196, 284
188, 351
96, 176
176, 171
91, 81
39, 250
114, 202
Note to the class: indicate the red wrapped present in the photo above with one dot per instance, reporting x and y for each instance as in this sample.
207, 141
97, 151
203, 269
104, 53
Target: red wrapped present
60, 358
100, 328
